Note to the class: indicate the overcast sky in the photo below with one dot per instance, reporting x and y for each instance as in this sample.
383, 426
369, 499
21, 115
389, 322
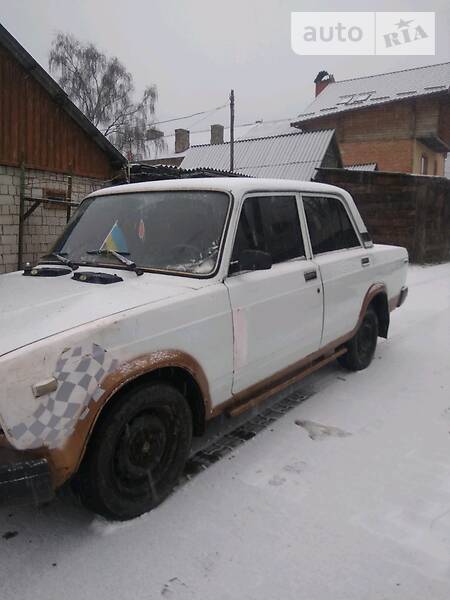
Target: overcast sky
195, 51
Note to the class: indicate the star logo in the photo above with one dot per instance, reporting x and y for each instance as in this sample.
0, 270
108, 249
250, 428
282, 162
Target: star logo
403, 23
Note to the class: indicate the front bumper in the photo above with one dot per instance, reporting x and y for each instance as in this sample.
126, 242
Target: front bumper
24, 480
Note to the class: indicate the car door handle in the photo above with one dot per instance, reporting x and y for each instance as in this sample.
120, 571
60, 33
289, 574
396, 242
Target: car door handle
365, 261
309, 275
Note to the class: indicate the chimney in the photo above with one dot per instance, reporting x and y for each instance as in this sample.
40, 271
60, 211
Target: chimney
216, 134
322, 80
182, 142
154, 134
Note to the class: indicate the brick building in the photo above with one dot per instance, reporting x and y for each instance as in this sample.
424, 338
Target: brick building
49, 151
399, 120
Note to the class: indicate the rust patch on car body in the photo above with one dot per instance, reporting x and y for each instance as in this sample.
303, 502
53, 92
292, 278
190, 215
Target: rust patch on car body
64, 461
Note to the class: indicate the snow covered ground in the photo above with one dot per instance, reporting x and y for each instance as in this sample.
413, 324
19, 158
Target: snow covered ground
352, 503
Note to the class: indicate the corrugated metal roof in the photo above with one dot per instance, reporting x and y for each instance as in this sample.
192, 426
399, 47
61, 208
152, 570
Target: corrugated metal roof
363, 92
144, 172
363, 167
289, 156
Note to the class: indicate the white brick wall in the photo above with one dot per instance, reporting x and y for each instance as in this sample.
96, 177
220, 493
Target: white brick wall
45, 224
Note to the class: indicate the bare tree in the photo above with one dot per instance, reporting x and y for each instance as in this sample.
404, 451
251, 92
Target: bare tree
103, 90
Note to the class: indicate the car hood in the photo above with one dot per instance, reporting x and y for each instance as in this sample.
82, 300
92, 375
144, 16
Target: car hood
34, 308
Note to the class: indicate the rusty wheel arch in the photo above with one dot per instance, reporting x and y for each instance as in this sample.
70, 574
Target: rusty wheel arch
180, 378
173, 366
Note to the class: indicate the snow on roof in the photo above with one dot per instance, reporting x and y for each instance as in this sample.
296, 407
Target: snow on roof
362, 167
288, 156
359, 92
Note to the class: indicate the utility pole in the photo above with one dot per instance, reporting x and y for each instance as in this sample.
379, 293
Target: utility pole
232, 131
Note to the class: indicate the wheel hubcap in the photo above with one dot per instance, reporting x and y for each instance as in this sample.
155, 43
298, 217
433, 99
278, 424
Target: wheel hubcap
141, 448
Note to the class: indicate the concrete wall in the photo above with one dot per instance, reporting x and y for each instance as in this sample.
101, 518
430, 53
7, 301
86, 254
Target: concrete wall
405, 210
47, 221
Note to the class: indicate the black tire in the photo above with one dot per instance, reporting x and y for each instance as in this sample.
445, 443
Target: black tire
361, 348
137, 452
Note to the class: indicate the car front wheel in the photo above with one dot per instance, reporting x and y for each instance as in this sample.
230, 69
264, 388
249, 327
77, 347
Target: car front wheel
137, 451
361, 348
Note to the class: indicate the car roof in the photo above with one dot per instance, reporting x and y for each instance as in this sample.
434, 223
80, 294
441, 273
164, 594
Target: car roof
235, 185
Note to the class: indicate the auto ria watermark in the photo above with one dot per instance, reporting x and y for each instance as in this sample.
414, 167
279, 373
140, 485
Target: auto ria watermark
364, 33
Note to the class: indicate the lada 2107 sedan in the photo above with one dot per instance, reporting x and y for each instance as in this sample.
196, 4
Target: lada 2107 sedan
166, 304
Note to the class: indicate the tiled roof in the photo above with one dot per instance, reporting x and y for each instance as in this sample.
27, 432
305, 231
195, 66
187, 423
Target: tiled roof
363, 92
288, 156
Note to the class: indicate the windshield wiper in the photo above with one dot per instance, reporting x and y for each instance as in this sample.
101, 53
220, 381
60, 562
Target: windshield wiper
60, 258
123, 259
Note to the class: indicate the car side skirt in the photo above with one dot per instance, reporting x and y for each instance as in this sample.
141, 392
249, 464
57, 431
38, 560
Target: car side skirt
259, 392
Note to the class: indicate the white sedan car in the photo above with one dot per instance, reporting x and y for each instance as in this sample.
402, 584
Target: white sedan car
166, 304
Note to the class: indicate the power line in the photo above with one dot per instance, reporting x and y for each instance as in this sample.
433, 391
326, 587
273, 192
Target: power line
206, 113
257, 122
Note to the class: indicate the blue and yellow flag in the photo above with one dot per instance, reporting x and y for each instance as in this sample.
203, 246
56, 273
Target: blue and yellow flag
115, 240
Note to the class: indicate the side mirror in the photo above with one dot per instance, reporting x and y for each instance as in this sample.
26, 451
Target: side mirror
254, 260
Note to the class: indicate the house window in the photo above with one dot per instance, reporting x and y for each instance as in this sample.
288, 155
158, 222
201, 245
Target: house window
424, 165
329, 225
355, 98
435, 169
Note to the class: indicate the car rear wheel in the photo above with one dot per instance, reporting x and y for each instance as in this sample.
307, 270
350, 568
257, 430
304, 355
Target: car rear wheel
361, 348
137, 452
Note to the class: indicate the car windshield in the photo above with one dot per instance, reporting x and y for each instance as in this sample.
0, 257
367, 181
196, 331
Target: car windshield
177, 231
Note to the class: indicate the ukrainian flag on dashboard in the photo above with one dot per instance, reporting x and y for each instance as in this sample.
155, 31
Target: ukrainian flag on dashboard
115, 240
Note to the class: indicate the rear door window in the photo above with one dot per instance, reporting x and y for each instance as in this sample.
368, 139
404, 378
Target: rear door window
330, 227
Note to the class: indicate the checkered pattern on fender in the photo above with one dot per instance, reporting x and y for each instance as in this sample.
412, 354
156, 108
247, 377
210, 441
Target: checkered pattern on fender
79, 372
